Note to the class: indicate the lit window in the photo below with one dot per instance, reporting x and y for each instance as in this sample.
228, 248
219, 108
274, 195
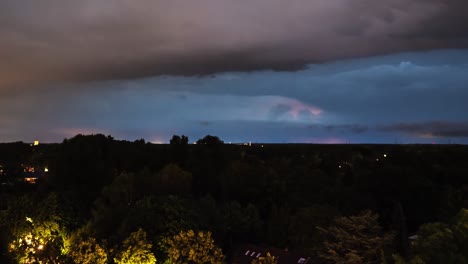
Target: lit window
246, 253
301, 260
30, 180
258, 255
253, 253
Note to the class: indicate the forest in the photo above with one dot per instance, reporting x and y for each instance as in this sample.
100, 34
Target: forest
95, 199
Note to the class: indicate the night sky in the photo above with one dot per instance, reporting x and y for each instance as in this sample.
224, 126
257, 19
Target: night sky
314, 71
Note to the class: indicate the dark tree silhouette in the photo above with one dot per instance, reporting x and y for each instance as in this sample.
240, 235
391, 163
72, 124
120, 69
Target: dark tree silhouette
179, 140
210, 140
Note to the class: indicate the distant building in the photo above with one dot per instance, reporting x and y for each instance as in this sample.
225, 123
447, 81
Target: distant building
30, 180
32, 174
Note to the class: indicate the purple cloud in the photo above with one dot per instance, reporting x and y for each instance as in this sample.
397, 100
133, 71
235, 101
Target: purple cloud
55, 41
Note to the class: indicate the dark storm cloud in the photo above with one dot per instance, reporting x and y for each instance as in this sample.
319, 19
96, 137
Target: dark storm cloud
353, 128
409, 87
431, 129
450, 22
52, 40
382, 99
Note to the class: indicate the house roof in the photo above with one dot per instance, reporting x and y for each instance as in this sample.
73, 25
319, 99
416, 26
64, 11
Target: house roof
245, 254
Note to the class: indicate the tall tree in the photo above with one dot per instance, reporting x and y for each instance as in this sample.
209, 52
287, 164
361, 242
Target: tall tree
303, 231
179, 140
443, 243
85, 250
354, 240
172, 179
41, 242
34, 230
136, 249
210, 140
190, 247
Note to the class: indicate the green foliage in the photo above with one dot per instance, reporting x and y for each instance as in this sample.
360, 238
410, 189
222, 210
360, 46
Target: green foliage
415, 260
460, 231
268, 259
113, 203
132, 198
85, 250
161, 215
135, 250
121, 191
172, 179
443, 243
239, 221
83, 165
34, 230
231, 222
190, 247
247, 182
40, 242
271, 194
303, 231
277, 226
354, 240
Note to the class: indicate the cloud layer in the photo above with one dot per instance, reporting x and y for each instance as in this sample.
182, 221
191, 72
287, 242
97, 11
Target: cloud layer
55, 40
404, 98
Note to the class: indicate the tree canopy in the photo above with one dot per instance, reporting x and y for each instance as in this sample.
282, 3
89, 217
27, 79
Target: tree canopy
193, 247
354, 239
